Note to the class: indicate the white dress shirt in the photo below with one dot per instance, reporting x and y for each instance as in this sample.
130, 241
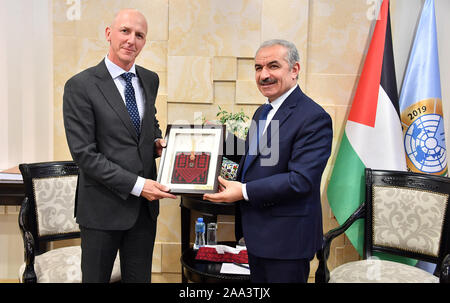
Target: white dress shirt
115, 72
276, 105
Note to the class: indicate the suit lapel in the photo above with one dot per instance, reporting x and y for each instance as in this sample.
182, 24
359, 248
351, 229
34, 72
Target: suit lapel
145, 119
251, 132
281, 116
112, 96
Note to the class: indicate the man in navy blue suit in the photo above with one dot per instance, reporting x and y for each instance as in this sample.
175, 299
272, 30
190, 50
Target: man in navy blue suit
278, 188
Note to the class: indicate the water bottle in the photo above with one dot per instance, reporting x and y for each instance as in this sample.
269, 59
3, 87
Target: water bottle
211, 234
199, 233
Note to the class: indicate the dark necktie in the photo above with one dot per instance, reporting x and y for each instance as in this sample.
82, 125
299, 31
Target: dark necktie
130, 100
254, 140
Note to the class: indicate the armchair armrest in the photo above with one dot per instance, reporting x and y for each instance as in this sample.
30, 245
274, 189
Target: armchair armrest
444, 276
322, 272
29, 275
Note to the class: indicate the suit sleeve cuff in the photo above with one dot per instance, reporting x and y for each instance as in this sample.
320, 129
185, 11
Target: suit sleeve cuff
137, 189
244, 191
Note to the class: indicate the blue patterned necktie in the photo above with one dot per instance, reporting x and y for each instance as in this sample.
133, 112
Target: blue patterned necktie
130, 100
254, 140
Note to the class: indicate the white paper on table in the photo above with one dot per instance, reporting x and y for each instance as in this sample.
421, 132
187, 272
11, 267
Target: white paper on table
230, 268
10, 177
221, 249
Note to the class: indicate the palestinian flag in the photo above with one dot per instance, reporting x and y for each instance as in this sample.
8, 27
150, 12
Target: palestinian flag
373, 135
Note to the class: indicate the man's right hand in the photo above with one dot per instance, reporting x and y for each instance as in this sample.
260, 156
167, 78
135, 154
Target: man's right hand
154, 191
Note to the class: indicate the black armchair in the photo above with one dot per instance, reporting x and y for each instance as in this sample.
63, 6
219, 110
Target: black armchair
406, 214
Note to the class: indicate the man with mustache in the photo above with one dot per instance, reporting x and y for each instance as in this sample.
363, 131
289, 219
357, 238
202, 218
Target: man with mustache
278, 180
114, 137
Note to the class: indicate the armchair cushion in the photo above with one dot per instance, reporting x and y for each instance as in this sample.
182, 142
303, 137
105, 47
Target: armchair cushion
380, 271
63, 265
408, 219
55, 199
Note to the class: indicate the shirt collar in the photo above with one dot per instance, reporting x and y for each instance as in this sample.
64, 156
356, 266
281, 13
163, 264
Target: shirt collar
115, 70
278, 101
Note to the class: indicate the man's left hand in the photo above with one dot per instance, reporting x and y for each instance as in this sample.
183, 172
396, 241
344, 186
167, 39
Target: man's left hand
229, 191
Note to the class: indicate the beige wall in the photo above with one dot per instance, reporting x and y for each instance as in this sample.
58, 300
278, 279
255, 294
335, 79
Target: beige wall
26, 116
203, 52
26, 106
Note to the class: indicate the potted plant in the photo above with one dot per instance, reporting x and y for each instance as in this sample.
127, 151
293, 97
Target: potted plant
237, 129
236, 123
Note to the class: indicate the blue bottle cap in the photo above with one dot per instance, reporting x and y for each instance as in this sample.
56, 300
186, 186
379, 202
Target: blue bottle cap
199, 219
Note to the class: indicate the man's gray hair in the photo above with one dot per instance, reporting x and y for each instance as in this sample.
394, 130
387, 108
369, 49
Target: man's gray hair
292, 53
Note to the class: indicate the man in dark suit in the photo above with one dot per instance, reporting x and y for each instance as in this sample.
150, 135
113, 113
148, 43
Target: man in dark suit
279, 188
114, 137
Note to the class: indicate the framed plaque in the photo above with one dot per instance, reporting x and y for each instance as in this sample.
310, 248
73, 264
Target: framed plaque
192, 159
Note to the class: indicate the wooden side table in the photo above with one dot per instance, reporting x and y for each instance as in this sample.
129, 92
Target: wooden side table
196, 270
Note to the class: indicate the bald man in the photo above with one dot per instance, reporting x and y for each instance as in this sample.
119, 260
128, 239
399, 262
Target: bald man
114, 137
